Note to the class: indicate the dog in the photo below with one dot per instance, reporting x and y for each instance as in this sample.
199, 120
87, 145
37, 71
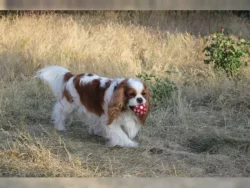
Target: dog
107, 105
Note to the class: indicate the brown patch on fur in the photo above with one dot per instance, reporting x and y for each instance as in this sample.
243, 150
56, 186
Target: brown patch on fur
91, 94
143, 117
90, 75
118, 101
81, 75
130, 93
66, 93
67, 76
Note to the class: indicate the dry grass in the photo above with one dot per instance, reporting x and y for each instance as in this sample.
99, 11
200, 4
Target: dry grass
203, 131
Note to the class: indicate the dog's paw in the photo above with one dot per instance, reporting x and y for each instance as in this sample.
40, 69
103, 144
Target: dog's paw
130, 144
60, 128
133, 144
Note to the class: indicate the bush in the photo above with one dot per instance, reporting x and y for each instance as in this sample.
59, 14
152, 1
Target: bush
226, 53
161, 89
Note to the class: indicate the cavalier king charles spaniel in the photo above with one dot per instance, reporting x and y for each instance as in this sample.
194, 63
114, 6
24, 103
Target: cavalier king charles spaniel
108, 105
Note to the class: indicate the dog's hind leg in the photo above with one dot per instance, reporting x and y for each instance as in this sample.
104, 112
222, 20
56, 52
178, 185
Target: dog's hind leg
62, 110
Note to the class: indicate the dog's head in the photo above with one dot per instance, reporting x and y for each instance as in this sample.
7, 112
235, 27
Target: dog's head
128, 94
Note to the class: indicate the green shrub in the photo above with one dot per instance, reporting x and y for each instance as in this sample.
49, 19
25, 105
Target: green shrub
226, 53
161, 89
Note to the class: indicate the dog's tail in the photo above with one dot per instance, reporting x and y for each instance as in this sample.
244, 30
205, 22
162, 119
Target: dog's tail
53, 76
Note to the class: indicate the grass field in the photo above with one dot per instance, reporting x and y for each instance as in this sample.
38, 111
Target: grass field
204, 130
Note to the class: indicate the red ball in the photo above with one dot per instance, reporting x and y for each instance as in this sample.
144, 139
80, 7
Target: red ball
140, 109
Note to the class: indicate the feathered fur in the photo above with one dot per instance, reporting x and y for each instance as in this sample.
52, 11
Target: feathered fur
105, 104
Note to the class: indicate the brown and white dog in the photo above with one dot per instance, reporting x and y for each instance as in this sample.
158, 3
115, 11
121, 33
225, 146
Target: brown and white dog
105, 104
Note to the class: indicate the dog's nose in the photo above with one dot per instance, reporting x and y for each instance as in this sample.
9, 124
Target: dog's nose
139, 100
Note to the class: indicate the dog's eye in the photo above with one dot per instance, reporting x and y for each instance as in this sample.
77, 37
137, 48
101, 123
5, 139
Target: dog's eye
143, 94
132, 94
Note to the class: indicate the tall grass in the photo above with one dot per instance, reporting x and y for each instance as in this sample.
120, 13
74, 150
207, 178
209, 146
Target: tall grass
109, 43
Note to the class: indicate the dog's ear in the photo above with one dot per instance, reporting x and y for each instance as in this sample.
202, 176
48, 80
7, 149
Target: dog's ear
116, 104
143, 117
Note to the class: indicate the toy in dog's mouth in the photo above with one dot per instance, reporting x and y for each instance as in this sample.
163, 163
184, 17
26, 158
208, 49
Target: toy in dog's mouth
139, 110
